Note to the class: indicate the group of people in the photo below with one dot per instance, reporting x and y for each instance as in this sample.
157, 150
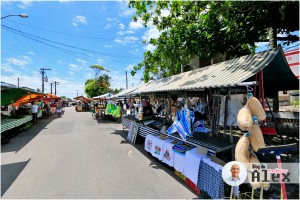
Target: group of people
36, 106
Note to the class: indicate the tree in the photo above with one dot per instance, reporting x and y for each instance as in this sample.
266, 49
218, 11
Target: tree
96, 87
210, 29
98, 69
63, 97
116, 91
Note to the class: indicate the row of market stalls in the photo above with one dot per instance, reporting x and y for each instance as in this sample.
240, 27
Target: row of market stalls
188, 120
16, 108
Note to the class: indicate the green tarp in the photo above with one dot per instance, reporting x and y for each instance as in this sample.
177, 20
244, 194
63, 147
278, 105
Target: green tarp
11, 95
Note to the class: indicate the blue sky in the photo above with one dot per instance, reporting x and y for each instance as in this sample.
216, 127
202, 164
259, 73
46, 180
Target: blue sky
68, 37
102, 32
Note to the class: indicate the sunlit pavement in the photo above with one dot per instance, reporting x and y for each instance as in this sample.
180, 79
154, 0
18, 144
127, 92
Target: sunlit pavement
78, 157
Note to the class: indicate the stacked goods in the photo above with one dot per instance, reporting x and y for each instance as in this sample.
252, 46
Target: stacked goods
247, 120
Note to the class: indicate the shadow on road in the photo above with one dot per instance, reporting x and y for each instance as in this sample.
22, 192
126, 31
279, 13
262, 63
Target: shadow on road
9, 173
22, 138
154, 162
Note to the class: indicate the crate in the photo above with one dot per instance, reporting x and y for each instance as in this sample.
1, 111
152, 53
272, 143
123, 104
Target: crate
180, 175
193, 186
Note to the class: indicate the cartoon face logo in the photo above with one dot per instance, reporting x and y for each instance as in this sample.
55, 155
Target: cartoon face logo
167, 155
149, 144
157, 150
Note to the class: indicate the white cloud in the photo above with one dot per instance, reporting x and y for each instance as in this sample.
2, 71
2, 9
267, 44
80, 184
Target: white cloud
129, 67
108, 26
82, 62
79, 20
118, 41
261, 44
65, 1
122, 26
129, 31
100, 61
136, 25
74, 67
127, 40
31, 53
108, 46
152, 32
120, 33
135, 52
24, 4
21, 61
111, 19
103, 8
125, 11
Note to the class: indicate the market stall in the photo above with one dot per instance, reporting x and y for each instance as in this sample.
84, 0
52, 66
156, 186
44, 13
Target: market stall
82, 103
222, 90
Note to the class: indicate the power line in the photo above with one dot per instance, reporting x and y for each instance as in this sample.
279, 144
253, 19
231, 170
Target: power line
78, 48
82, 36
59, 48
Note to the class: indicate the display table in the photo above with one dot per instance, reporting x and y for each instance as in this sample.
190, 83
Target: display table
7, 124
214, 145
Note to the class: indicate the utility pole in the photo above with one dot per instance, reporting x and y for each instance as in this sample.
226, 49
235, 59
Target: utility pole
43, 77
18, 82
126, 80
77, 93
51, 87
55, 83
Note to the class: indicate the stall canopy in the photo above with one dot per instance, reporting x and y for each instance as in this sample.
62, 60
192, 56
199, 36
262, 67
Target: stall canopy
11, 95
103, 96
277, 75
82, 98
126, 92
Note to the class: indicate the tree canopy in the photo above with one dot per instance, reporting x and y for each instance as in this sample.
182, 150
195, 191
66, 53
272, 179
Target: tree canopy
210, 28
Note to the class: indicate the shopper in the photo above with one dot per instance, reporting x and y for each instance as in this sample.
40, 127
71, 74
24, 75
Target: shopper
34, 111
58, 109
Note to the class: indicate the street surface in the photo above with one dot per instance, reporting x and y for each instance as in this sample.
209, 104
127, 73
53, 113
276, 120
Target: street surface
77, 157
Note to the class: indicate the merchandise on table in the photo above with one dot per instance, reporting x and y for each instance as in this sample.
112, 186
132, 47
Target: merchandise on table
168, 153
192, 160
210, 178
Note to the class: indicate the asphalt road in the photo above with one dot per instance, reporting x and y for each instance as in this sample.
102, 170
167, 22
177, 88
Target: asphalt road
77, 157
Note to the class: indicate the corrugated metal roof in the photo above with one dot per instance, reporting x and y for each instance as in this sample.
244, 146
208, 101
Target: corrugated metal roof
224, 74
103, 96
125, 93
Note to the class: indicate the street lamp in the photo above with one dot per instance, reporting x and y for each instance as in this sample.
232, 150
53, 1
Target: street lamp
20, 15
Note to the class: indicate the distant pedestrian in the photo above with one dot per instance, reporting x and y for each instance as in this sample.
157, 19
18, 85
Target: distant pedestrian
58, 109
47, 109
34, 111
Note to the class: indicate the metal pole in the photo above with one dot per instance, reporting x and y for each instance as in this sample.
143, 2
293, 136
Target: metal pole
126, 80
18, 82
77, 93
43, 73
55, 87
51, 87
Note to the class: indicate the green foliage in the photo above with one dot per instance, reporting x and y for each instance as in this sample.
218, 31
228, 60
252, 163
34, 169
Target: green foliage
116, 91
96, 87
98, 69
208, 28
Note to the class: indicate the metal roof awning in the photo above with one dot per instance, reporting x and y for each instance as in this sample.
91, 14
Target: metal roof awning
277, 75
103, 96
125, 93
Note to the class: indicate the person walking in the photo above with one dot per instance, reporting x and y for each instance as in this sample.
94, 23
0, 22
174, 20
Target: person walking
58, 109
34, 111
47, 109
